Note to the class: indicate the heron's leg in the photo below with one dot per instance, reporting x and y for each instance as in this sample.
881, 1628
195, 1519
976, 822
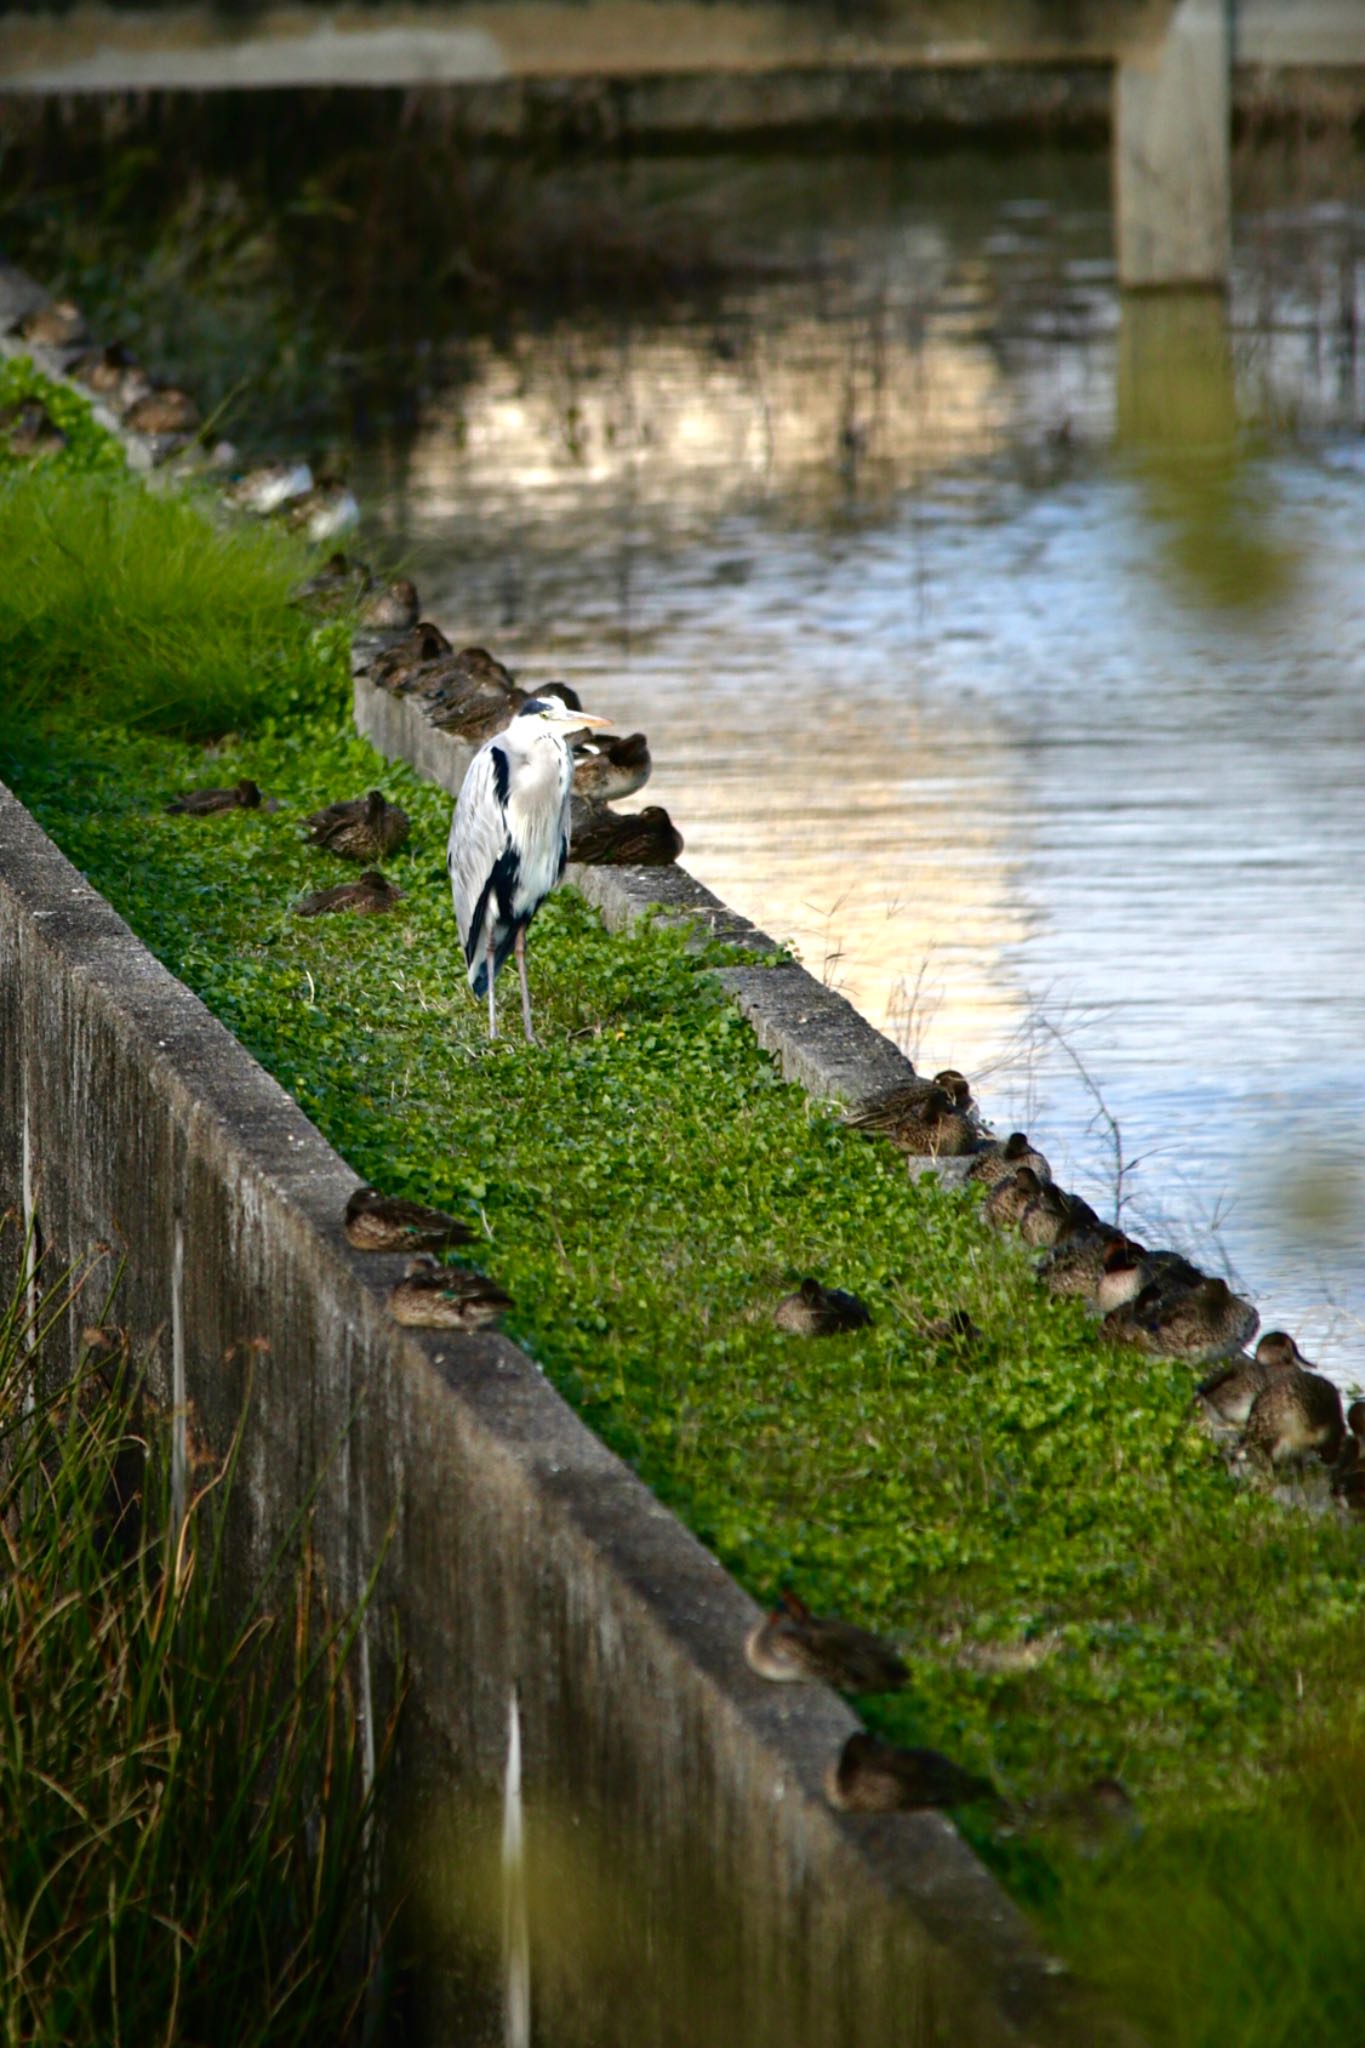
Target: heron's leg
525, 985
492, 1005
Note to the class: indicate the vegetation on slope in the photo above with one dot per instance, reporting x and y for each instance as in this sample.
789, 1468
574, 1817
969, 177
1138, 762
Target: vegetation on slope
185, 1813
125, 605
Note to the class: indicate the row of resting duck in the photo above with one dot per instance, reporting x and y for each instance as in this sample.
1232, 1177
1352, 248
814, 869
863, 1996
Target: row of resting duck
470, 694
111, 374
466, 690
1151, 1300
320, 505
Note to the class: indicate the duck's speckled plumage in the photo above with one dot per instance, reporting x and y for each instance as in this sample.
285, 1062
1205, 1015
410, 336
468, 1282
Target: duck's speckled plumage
385, 1223
792, 1646
816, 1311
872, 1776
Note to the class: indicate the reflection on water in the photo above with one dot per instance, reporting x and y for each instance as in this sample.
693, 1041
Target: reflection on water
1001, 651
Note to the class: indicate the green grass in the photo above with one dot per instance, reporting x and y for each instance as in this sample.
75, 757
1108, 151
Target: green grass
1246, 1931
130, 608
1078, 1584
185, 1816
88, 448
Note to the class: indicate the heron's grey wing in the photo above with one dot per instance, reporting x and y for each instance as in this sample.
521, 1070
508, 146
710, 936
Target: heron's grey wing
478, 842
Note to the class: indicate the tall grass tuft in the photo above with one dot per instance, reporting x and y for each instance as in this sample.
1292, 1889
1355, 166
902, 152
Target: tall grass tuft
1240, 1928
135, 607
185, 1808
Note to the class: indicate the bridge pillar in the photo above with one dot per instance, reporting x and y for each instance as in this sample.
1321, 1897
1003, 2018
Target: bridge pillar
1172, 143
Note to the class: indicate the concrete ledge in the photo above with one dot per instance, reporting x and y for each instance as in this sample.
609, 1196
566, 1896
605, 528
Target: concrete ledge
515, 1548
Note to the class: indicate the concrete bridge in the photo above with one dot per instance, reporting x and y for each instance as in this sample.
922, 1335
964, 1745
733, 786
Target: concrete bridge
1172, 64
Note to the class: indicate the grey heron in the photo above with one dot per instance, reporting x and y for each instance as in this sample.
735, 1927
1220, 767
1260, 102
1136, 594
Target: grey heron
509, 839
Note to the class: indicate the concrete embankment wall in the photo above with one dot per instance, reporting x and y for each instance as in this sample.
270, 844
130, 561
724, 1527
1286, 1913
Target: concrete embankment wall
689, 1883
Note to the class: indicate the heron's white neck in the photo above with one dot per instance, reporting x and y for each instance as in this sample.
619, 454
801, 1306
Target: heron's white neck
527, 742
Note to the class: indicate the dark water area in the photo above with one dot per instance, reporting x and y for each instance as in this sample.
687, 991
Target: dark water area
1000, 645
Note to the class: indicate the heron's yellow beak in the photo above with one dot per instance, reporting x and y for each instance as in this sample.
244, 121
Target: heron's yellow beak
586, 721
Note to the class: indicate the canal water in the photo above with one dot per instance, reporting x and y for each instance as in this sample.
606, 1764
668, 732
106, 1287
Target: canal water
1000, 646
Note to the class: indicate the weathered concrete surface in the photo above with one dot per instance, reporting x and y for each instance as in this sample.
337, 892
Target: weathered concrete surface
200, 48
120, 49
101, 49
1172, 152
399, 730
511, 1548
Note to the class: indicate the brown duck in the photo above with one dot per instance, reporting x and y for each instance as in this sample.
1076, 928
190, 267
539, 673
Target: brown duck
603, 838
792, 1646
609, 767
1131, 1270
1076, 1265
1297, 1414
1009, 1198
29, 428
872, 1776
426, 642
999, 1161
206, 803
106, 371
264, 489
341, 582
471, 678
1053, 1216
58, 324
1204, 1322
1122, 1275
816, 1311
1229, 1394
364, 828
369, 896
919, 1117
394, 609
166, 411
435, 1297
473, 696
956, 1087
383, 1223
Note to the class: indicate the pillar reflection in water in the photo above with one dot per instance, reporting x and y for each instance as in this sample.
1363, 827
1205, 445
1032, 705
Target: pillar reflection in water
1177, 420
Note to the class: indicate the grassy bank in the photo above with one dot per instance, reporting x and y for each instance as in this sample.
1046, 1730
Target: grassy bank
1077, 1584
185, 1814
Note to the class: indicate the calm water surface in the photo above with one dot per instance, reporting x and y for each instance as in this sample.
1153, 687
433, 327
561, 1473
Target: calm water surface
1000, 648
